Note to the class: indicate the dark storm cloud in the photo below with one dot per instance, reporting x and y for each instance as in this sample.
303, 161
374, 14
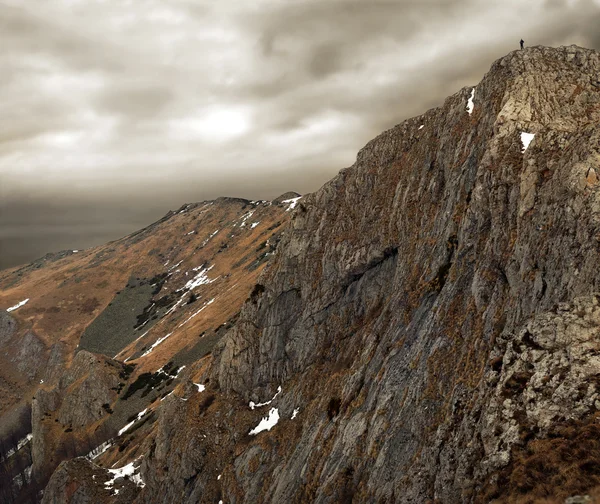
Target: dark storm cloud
142, 105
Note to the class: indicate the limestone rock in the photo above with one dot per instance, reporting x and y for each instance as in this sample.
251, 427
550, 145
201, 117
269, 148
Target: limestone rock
78, 481
7, 326
31, 355
429, 311
78, 401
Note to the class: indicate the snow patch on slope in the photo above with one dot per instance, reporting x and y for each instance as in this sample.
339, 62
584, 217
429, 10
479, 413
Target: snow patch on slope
99, 450
201, 278
20, 444
175, 265
266, 423
128, 426
194, 314
156, 343
470, 104
128, 470
246, 217
254, 405
209, 238
526, 139
17, 306
292, 203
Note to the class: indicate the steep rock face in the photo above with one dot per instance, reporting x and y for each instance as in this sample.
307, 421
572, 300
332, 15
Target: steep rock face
31, 355
80, 482
23, 356
399, 281
7, 326
88, 385
430, 315
80, 399
56, 362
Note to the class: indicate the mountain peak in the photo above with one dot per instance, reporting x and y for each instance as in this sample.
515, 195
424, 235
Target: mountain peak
425, 328
285, 197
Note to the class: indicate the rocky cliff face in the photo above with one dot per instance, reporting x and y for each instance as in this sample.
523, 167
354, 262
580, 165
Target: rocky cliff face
79, 482
430, 315
82, 397
7, 326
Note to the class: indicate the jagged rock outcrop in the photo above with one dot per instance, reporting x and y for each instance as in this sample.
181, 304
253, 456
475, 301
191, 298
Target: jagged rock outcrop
7, 326
90, 382
80, 482
546, 373
61, 415
430, 314
400, 276
31, 355
56, 362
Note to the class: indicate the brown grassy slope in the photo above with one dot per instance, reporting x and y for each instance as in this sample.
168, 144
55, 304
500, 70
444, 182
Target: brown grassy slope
68, 290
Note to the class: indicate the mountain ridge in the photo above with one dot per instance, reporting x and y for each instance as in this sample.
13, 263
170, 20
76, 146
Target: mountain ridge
426, 331
116, 299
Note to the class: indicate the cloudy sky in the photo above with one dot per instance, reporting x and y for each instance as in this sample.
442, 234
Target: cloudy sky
114, 111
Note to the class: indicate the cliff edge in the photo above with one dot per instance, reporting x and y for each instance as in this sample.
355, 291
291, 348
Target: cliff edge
428, 328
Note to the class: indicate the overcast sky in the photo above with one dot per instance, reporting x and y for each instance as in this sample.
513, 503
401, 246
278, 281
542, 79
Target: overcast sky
114, 111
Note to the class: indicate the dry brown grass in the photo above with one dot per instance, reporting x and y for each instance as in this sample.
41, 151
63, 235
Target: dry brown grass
67, 294
565, 463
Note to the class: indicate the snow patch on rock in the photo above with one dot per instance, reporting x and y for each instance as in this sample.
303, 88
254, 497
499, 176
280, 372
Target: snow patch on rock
470, 104
526, 139
253, 405
266, 423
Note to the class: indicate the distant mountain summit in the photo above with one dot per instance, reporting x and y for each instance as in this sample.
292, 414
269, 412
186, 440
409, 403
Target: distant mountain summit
426, 328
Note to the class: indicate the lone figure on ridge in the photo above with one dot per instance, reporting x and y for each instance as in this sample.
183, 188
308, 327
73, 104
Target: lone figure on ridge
522, 44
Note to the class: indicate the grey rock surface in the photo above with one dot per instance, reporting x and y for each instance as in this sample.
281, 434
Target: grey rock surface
55, 366
79, 481
405, 271
428, 311
31, 355
7, 326
75, 403
114, 328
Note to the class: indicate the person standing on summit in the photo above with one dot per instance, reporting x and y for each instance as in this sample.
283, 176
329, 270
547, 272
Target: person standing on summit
522, 44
